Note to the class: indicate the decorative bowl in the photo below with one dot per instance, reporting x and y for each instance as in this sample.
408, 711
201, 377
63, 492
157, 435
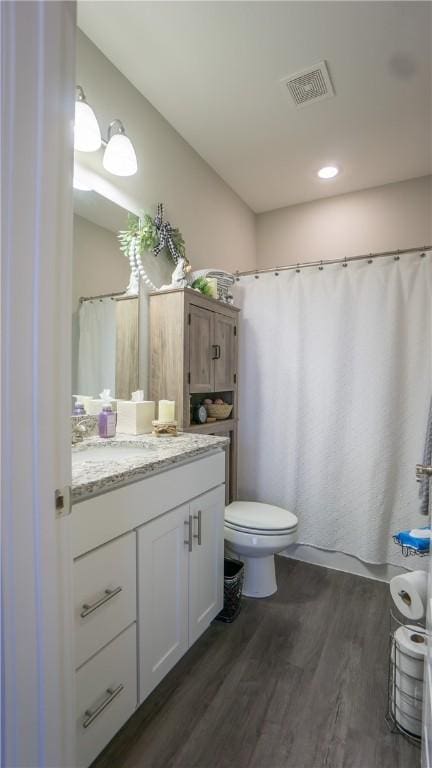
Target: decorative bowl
219, 412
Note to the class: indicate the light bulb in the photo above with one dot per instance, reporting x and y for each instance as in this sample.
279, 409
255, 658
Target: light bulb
87, 135
328, 172
119, 156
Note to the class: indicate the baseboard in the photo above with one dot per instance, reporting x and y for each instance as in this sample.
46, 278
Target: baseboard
338, 561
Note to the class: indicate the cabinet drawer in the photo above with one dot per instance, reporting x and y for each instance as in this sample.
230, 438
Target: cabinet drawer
104, 595
106, 692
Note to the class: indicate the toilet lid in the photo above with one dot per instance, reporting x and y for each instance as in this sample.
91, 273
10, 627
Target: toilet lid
259, 517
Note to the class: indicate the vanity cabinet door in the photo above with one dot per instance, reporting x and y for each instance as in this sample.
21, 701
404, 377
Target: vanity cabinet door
201, 351
225, 342
163, 556
206, 561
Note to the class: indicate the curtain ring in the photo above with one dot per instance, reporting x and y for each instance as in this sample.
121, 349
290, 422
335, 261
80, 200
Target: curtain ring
345, 263
422, 255
276, 274
396, 258
321, 266
256, 277
370, 259
298, 268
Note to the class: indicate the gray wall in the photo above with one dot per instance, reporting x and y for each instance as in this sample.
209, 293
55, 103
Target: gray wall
218, 227
379, 219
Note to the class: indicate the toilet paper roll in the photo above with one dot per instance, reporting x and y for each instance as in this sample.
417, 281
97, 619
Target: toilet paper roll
409, 593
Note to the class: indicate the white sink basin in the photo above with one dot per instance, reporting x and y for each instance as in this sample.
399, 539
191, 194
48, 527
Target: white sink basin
112, 452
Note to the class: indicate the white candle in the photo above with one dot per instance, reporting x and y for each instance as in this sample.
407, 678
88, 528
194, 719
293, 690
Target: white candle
166, 410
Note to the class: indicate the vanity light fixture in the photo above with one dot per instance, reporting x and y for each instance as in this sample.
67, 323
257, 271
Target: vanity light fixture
328, 172
119, 156
87, 135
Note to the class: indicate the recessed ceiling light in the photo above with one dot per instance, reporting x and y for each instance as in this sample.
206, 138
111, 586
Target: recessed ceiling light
328, 172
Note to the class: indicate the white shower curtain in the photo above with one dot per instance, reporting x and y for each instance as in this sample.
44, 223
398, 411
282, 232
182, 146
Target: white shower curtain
335, 388
97, 346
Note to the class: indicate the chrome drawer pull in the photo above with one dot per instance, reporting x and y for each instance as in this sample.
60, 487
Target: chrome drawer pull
423, 471
108, 594
199, 534
189, 542
92, 714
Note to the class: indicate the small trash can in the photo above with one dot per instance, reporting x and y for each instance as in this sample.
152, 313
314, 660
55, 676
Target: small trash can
233, 583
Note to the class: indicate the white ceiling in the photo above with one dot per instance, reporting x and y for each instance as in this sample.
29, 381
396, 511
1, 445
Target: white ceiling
213, 69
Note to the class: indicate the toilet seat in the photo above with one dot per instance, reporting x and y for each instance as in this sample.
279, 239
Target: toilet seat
261, 519
260, 531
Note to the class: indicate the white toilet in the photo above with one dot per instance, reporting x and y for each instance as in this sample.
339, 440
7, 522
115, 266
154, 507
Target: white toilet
254, 533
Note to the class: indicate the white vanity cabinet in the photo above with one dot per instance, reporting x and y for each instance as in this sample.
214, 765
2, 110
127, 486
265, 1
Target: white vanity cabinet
148, 580
180, 583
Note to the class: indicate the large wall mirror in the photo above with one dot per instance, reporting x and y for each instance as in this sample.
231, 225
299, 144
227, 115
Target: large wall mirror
110, 327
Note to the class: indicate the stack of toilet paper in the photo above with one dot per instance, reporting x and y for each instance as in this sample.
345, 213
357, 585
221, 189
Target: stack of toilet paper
409, 650
409, 593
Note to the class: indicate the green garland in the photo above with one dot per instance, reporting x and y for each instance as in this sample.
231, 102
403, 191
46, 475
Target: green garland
143, 232
202, 285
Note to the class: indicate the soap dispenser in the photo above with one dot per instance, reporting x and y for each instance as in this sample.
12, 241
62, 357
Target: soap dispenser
107, 422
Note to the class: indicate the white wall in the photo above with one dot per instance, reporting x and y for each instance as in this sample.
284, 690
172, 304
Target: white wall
379, 219
218, 227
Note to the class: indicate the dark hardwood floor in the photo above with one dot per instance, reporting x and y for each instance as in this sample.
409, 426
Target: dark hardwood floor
299, 680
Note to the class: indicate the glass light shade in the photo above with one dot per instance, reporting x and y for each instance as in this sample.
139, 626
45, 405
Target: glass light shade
119, 156
87, 135
328, 172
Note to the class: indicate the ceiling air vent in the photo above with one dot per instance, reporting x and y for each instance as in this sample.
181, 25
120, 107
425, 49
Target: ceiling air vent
312, 84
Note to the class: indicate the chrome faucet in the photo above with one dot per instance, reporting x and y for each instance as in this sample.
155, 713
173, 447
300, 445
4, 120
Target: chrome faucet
80, 429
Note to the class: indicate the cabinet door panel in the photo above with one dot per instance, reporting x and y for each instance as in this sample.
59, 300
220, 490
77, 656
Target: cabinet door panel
162, 596
206, 561
106, 695
201, 365
226, 347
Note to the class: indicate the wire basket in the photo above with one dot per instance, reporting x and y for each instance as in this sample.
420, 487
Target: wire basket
408, 551
233, 585
405, 684
225, 281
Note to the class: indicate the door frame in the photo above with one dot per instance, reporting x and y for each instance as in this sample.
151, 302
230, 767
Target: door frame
38, 87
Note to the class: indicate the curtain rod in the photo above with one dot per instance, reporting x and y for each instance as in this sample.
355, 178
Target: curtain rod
112, 296
320, 264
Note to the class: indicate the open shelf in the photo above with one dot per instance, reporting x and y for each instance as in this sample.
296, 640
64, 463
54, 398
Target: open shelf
224, 425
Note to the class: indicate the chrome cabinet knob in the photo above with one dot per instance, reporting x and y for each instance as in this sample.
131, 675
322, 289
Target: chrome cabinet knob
423, 471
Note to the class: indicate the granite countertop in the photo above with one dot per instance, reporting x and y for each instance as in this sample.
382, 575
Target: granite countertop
127, 458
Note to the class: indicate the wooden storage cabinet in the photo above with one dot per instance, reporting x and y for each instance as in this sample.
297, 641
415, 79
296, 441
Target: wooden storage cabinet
201, 360
194, 354
212, 351
180, 583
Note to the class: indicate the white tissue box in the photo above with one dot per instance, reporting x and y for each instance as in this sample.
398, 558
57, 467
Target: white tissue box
94, 405
135, 418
